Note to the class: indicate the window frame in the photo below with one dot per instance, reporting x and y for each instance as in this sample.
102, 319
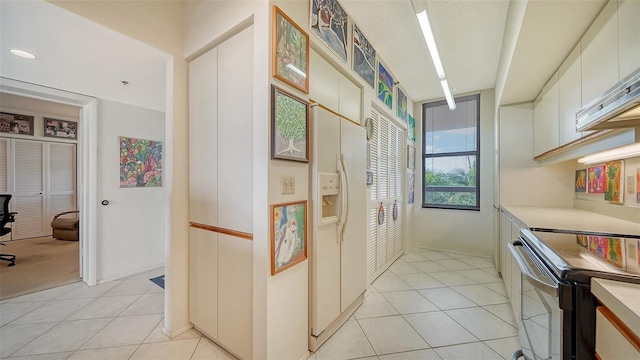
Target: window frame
426, 156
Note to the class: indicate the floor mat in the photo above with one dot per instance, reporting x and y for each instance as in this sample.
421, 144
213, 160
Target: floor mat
158, 281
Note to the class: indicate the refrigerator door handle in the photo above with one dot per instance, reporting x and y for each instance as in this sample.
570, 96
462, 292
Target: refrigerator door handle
344, 195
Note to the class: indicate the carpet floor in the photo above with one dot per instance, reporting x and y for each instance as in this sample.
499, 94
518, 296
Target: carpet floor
41, 263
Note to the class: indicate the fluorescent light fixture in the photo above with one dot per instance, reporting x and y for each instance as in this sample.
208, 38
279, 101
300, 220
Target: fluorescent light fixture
22, 53
622, 152
431, 42
447, 94
296, 70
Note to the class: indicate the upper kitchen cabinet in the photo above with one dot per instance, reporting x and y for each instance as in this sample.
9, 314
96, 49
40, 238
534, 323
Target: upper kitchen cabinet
569, 96
545, 118
600, 54
628, 36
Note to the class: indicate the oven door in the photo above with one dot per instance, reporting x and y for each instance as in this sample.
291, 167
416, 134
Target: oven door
540, 315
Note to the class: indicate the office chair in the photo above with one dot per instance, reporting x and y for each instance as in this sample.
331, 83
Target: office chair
5, 218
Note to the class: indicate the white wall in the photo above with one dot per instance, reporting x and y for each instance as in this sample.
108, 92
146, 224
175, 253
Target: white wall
130, 232
522, 180
460, 230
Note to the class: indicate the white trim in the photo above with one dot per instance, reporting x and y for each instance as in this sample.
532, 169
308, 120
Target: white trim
173, 334
87, 157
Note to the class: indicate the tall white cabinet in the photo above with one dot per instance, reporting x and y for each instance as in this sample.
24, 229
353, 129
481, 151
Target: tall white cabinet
386, 223
221, 193
41, 176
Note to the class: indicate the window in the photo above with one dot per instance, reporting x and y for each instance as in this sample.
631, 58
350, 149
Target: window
451, 154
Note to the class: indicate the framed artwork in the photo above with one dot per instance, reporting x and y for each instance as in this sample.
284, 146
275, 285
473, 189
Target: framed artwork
329, 23
61, 129
369, 177
290, 52
411, 184
364, 57
638, 186
402, 105
595, 181
140, 163
385, 86
614, 174
368, 155
288, 235
289, 126
16, 124
581, 181
411, 157
411, 128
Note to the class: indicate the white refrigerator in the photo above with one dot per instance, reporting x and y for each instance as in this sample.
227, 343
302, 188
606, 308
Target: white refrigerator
339, 222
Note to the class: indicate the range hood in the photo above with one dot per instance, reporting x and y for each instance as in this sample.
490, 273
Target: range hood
617, 108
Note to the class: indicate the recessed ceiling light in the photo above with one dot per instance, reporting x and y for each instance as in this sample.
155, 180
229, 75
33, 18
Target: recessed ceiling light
22, 53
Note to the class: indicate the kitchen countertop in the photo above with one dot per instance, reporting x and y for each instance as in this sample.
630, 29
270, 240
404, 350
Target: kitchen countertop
623, 299
570, 219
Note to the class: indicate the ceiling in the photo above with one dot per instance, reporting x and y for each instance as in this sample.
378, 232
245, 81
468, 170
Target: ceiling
78, 55
470, 35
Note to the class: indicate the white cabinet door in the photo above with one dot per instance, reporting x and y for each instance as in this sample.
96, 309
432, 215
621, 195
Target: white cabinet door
545, 118
628, 36
569, 96
29, 187
203, 280
600, 54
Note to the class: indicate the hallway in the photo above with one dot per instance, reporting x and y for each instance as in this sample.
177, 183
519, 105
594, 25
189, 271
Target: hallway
428, 305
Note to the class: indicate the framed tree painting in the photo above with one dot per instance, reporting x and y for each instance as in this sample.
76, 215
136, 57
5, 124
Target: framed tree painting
140, 163
288, 235
364, 57
289, 126
329, 23
385, 86
290, 52
402, 105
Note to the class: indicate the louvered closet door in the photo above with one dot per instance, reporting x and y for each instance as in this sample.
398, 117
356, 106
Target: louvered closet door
62, 180
28, 180
4, 165
387, 164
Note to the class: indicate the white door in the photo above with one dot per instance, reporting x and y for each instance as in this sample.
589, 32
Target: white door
131, 221
61, 184
29, 188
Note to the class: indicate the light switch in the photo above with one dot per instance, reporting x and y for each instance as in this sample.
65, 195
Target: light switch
630, 187
288, 184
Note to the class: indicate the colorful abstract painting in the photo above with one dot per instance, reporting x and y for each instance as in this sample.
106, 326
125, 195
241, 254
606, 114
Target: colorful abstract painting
610, 249
411, 128
385, 86
364, 57
596, 183
329, 22
288, 235
411, 185
614, 174
291, 53
402, 105
140, 163
581, 181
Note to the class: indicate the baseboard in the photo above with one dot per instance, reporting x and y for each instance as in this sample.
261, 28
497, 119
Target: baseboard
452, 251
178, 332
128, 274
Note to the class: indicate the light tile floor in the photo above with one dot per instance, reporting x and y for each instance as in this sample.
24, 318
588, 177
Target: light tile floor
118, 320
428, 305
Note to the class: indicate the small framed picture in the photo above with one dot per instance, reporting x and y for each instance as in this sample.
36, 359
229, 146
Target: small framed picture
288, 235
64, 129
289, 126
290, 51
16, 124
369, 177
411, 157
